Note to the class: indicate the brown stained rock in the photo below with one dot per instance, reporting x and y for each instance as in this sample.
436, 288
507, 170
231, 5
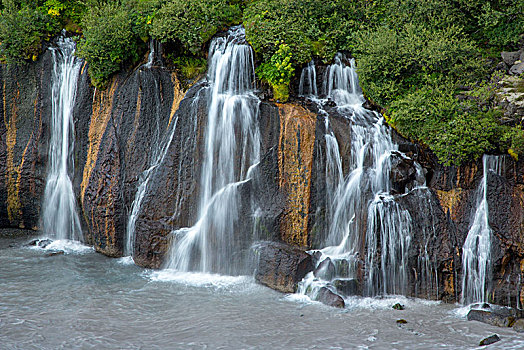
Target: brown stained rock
280, 266
295, 157
494, 319
25, 109
489, 340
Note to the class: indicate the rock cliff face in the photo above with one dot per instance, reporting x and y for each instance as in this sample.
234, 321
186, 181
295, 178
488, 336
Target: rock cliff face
118, 129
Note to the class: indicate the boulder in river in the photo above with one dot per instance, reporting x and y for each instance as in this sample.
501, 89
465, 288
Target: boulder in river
492, 318
489, 340
281, 266
518, 326
329, 298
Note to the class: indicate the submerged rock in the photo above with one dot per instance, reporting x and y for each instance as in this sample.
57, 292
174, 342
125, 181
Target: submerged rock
401, 321
42, 243
489, 340
60, 252
398, 306
492, 318
280, 266
329, 298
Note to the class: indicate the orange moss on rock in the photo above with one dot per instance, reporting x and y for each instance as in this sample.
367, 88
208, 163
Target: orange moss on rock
450, 201
102, 106
295, 160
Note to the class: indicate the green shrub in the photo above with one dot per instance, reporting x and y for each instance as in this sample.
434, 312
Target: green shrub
394, 61
190, 67
192, 23
109, 40
278, 72
22, 30
455, 131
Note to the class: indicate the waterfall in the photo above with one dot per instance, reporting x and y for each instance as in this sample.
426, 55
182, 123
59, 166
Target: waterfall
360, 209
308, 81
232, 146
159, 150
60, 218
476, 252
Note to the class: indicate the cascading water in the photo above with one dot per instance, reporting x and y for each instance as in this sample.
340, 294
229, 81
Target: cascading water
476, 252
363, 196
158, 153
232, 147
308, 81
60, 218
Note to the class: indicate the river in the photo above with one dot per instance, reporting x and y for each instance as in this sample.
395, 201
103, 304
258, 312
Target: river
85, 300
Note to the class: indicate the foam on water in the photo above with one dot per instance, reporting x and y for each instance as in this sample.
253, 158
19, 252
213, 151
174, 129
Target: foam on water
67, 246
199, 279
126, 260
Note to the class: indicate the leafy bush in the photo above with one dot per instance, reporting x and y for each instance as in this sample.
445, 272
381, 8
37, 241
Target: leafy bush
456, 131
393, 61
109, 40
278, 72
21, 31
190, 67
192, 23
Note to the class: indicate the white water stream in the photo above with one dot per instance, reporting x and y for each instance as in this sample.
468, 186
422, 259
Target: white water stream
476, 252
60, 218
232, 146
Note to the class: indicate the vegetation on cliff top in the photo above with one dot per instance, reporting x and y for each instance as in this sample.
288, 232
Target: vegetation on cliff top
428, 63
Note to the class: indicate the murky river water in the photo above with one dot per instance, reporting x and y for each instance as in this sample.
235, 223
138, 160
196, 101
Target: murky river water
85, 300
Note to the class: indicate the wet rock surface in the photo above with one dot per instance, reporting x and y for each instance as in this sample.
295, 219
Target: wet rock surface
518, 326
489, 340
329, 298
347, 287
494, 319
280, 266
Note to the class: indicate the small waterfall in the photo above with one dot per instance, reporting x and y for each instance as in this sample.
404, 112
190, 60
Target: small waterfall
159, 149
476, 252
60, 218
361, 201
341, 82
232, 146
308, 81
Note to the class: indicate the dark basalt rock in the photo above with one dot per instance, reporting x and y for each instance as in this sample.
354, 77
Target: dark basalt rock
398, 306
280, 266
402, 172
492, 318
518, 326
489, 340
42, 243
60, 252
325, 270
347, 287
327, 297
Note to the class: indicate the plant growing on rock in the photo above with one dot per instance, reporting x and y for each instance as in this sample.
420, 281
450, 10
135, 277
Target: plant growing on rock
278, 72
22, 28
192, 23
109, 40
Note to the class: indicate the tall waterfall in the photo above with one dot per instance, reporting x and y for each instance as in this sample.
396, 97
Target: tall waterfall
60, 218
361, 201
232, 147
476, 252
159, 148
